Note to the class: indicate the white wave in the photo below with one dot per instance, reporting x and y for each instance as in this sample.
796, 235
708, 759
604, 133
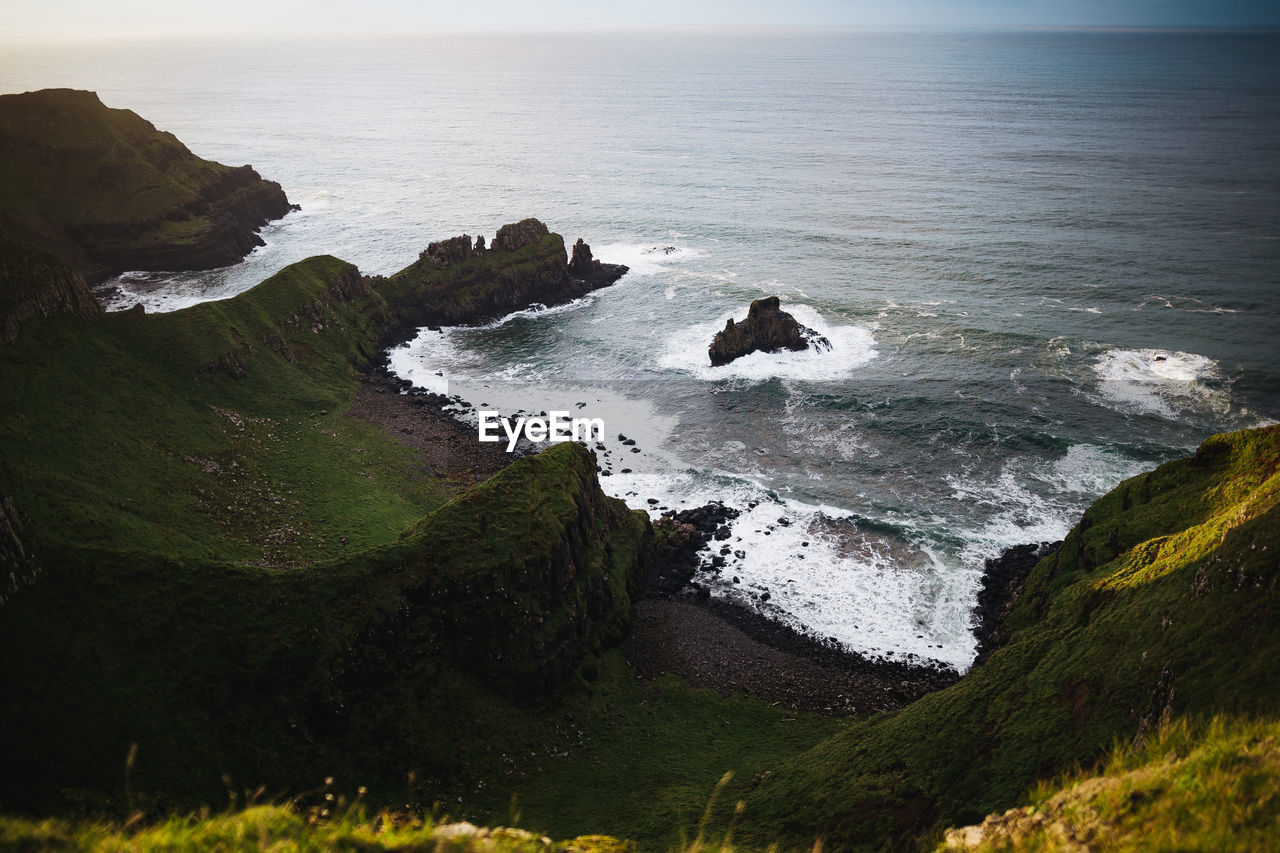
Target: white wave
433, 358
1160, 382
644, 258
1034, 503
1092, 470
873, 593
851, 348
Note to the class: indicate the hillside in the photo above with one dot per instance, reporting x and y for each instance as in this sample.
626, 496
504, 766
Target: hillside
1207, 785
1161, 603
241, 578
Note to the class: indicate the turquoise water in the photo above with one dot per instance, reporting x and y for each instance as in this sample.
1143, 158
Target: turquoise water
1047, 261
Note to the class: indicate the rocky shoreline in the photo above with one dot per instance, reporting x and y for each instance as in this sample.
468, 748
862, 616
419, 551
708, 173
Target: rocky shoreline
1003, 580
678, 626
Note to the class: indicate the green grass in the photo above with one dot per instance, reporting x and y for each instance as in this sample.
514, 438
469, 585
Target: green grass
279, 828
1090, 660
1191, 785
640, 759
199, 433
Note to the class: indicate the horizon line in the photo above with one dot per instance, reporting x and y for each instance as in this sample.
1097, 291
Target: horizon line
197, 33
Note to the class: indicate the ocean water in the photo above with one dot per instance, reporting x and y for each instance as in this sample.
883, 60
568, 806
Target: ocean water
1046, 261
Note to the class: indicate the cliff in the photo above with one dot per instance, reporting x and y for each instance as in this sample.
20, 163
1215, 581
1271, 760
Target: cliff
373, 664
35, 283
107, 192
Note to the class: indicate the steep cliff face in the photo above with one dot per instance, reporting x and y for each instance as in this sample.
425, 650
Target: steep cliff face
18, 566
540, 550
105, 190
35, 283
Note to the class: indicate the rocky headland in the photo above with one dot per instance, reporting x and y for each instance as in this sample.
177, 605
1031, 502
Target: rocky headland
107, 192
767, 328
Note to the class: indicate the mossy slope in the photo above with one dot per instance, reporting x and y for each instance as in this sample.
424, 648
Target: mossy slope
1190, 786
167, 467
1115, 632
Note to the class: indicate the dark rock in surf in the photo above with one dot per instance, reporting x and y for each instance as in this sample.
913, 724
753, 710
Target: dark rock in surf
586, 268
767, 329
682, 537
1002, 583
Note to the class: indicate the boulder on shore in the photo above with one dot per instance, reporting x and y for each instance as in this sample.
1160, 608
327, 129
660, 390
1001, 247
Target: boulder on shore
767, 329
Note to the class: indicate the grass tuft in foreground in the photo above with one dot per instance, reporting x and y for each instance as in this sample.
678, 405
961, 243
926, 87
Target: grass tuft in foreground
1192, 786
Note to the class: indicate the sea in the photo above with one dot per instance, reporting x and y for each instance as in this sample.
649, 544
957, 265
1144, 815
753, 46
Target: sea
1046, 261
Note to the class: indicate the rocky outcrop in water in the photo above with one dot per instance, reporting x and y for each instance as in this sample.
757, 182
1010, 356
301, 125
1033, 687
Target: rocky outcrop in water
108, 192
455, 282
586, 268
767, 329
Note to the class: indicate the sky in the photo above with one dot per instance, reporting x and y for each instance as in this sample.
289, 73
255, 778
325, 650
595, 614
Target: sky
44, 18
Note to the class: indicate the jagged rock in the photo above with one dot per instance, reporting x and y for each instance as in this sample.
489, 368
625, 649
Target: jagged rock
767, 329
581, 263
583, 266
479, 244
1003, 580
681, 536
455, 250
492, 285
35, 283
519, 234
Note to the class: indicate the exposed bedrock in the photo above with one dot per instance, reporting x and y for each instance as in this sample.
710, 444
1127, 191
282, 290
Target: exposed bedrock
767, 329
459, 281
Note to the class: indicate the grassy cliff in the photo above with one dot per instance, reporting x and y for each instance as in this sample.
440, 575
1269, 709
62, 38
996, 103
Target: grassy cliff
1190, 785
240, 579
169, 467
1161, 603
